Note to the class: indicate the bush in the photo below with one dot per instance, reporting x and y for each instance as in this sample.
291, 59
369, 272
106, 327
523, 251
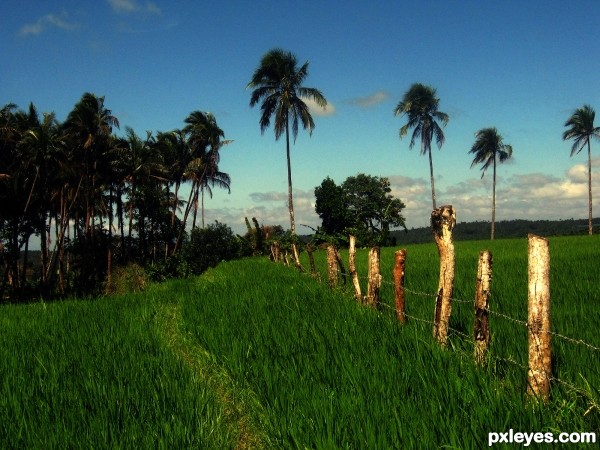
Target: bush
126, 279
209, 246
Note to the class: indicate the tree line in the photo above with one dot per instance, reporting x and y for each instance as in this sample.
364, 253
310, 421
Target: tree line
95, 198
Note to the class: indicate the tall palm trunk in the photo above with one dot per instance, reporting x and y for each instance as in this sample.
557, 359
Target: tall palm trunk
431, 176
590, 228
203, 207
290, 197
289, 174
494, 199
195, 208
185, 218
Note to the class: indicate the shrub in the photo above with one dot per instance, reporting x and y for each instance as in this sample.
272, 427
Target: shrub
209, 246
126, 279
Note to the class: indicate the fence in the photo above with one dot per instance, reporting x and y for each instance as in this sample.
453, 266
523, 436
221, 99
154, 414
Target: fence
539, 367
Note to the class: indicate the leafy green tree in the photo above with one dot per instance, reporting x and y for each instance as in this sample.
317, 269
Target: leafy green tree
332, 207
420, 105
363, 205
278, 83
489, 149
581, 130
209, 246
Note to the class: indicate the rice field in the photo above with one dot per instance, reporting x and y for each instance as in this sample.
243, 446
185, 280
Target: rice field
253, 354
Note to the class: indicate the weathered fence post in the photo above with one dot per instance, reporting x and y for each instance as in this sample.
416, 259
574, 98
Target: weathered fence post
481, 330
340, 265
443, 220
311, 260
352, 265
374, 278
538, 318
399, 266
332, 271
275, 251
296, 258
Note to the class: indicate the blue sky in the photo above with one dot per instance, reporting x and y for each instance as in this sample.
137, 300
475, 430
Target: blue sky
522, 67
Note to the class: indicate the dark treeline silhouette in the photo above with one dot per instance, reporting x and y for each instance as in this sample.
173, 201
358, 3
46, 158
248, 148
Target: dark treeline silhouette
506, 229
95, 199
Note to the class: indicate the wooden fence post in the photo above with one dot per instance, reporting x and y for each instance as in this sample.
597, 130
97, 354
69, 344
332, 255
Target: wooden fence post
481, 330
296, 257
443, 220
399, 267
340, 265
352, 265
275, 251
374, 278
311, 260
332, 272
538, 319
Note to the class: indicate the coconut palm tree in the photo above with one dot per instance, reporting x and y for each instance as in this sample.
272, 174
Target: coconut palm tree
89, 127
489, 149
204, 138
581, 129
420, 105
277, 82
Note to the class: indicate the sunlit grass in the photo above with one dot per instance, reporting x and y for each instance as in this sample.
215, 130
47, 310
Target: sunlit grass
254, 354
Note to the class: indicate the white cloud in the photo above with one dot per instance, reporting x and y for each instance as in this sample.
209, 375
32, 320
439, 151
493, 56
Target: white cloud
132, 6
370, 100
317, 110
523, 196
46, 22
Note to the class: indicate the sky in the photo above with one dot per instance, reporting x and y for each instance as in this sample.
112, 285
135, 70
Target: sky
520, 66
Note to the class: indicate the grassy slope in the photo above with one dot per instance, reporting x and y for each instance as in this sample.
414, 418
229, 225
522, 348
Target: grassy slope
254, 355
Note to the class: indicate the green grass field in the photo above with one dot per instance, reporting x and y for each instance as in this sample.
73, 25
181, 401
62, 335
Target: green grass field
256, 355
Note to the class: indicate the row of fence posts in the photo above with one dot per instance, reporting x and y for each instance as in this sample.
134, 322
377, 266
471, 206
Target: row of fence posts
443, 220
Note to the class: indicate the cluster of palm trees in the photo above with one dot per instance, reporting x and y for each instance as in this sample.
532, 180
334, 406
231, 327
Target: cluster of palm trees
94, 197
420, 105
277, 82
79, 176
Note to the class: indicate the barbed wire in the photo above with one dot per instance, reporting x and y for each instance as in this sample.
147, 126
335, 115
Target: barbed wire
490, 311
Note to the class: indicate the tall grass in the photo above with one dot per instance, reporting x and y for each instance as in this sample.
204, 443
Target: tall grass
332, 374
255, 355
96, 374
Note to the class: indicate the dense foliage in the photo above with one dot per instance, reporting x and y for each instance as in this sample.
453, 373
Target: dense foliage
209, 246
361, 205
96, 199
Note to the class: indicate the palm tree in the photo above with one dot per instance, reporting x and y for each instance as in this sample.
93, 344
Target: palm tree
204, 138
488, 150
420, 105
90, 127
277, 82
581, 130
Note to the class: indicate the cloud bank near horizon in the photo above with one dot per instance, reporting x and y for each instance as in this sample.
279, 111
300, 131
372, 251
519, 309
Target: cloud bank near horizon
531, 196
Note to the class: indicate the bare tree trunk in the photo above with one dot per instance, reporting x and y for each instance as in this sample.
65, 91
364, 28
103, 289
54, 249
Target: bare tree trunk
374, 279
332, 269
290, 197
352, 264
185, 218
590, 226
431, 176
443, 220
481, 329
399, 270
538, 319
494, 199
195, 215
202, 207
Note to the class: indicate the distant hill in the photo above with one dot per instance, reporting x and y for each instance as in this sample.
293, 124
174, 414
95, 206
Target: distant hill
519, 228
